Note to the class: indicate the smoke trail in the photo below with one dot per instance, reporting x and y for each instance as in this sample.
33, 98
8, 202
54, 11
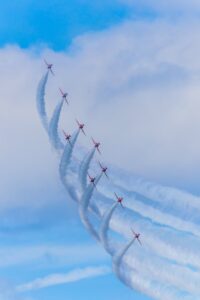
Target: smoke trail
84, 203
41, 101
83, 207
162, 218
64, 164
145, 208
67, 154
118, 257
168, 198
104, 229
152, 288
149, 265
84, 168
159, 240
53, 127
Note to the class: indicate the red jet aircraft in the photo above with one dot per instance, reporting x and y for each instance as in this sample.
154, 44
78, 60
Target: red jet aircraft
67, 137
119, 199
136, 236
81, 126
96, 145
64, 95
49, 67
103, 169
92, 180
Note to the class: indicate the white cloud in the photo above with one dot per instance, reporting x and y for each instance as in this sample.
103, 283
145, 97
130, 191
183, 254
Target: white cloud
137, 88
72, 276
140, 88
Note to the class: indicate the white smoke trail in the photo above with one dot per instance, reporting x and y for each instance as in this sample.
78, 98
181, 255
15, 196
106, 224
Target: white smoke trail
161, 241
67, 154
145, 208
118, 257
84, 204
148, 264
158, 239
151, 287
41, 101
168, 199
65, 163
53, 127
103, 233
84, 167
172, 274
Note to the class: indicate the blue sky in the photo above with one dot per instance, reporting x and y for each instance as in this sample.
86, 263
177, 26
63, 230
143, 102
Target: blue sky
136, 57
55, 23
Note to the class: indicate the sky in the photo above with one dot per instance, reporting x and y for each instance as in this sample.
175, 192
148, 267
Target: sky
132, 72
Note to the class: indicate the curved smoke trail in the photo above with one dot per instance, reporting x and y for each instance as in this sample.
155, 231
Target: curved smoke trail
118, 257
84, 167
64, 164
53, 127
41, 101
83, 207
103, 233
171, 274
133, 279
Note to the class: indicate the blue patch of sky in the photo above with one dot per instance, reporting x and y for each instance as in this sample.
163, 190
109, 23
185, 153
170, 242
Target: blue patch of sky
55, 23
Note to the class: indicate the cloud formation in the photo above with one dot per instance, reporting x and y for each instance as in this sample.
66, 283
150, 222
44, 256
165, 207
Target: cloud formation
148, 81
72, 276
143, 74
